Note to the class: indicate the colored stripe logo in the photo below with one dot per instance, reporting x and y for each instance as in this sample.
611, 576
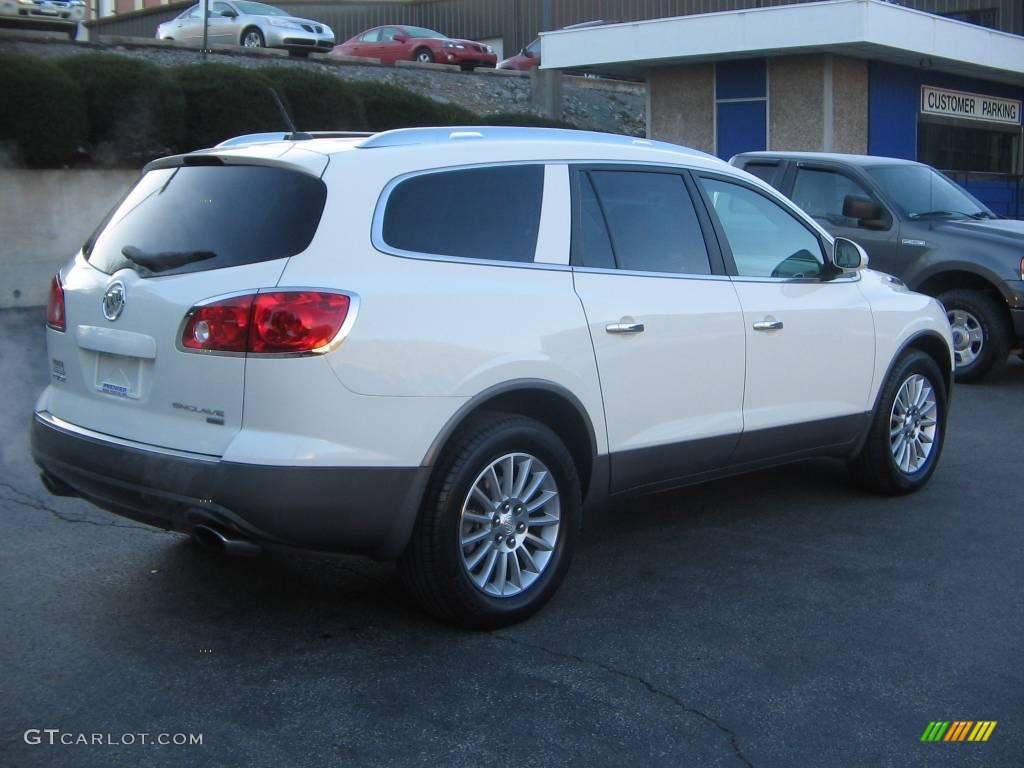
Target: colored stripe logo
959, 730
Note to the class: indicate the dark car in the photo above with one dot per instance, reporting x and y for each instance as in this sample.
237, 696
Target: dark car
916, 224
404, 43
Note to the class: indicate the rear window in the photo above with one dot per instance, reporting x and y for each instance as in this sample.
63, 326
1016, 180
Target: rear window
195, 218
477, 213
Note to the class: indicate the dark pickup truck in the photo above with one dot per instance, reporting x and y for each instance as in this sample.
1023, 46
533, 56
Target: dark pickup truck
921, 227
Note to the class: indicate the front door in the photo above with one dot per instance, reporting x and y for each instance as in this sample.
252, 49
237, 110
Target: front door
665, 324
810, 334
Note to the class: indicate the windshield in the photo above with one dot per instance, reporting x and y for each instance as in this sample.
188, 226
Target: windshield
194, 218
423, 32
920, 191
259, 9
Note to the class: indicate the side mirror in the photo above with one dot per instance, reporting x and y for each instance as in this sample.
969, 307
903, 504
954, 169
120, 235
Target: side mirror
848, 255
400, 38
526, 53
862, 208
229, 14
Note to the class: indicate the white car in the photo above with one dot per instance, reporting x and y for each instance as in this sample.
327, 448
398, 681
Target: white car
60, 15
340, 344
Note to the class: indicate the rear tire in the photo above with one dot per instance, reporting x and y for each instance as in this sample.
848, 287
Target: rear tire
479, 556
909, 420
981, 333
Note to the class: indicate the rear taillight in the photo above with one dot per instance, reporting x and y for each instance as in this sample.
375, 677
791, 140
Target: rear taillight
55, 317
276, 322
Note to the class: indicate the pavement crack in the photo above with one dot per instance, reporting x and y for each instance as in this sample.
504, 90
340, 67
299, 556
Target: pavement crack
671, 697
31, 502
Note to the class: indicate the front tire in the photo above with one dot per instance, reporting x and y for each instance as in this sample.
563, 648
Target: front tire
423, 56
498, 526
253, 38
908, 429
981, 334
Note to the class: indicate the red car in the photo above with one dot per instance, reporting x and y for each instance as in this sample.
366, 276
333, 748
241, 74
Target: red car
529, 57
401, 43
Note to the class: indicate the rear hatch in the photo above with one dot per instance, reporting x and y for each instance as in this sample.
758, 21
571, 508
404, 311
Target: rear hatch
182, 235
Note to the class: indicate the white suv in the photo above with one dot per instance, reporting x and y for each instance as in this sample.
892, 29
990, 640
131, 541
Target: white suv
440, 345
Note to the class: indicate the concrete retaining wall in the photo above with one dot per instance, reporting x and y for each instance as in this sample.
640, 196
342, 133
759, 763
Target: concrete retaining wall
45, 218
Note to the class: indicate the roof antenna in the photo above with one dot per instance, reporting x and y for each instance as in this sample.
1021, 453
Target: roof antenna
292, 135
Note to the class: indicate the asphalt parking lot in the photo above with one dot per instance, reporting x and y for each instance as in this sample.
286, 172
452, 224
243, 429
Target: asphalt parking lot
780, 619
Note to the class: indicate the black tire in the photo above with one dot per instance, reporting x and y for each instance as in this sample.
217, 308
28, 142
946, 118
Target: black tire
875, 467
432, 566
256, 40
990, 314
423, 55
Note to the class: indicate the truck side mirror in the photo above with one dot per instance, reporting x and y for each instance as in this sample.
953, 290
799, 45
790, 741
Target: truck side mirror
863, 209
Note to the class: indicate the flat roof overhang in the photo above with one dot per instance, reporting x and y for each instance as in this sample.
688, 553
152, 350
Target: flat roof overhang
866, 29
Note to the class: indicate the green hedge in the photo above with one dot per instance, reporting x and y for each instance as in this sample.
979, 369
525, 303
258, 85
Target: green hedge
389, 106
222, 101
318, 102
136, 110
43, 120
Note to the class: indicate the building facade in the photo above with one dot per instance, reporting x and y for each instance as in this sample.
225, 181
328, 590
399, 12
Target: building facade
855, 76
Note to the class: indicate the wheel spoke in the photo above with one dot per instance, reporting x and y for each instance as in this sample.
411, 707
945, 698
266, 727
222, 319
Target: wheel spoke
516, 573
538, 542
535, 483
488, 569
478, 535
528, 562
524, 476
543, 522
541, 501
483, 498
473, 517
507, 474
479, 555
499, 580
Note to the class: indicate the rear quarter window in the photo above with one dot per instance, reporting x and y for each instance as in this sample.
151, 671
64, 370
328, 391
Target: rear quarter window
242, 214
488, 213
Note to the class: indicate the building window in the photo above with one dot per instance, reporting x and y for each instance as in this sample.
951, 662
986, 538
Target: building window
741, 106
953, 147
983, 17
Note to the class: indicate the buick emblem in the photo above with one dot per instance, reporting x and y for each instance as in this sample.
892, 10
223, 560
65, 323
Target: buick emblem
113, 301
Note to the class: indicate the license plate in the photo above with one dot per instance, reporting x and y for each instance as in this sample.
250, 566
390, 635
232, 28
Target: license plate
118, 375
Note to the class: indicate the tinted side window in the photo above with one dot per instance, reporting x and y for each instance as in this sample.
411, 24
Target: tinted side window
763, 171
477, 213
591, 246
652, 222
821, 194
766, 240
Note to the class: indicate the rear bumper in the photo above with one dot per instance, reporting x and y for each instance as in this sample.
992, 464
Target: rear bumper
365, 510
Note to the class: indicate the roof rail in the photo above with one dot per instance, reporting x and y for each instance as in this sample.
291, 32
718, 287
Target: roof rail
266, 138
403, 137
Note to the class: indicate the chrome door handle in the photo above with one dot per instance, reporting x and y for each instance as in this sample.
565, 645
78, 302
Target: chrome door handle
768, 325
625, 328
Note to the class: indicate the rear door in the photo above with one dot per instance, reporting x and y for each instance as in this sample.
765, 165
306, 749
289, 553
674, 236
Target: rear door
664, 321
204, 231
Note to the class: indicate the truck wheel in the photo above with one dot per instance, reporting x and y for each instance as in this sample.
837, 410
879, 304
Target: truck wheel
498, 526
907, 430
981, 336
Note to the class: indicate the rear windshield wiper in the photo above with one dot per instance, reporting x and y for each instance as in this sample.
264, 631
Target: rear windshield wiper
160, 262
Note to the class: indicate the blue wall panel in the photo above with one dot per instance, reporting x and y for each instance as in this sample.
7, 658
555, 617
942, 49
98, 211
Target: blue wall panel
741, 79
894, 100
742, 127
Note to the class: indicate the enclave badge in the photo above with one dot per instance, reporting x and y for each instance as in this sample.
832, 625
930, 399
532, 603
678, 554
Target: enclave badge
113, 301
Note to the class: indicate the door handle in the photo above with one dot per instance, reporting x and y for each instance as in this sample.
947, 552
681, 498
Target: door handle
768, 325
625, 328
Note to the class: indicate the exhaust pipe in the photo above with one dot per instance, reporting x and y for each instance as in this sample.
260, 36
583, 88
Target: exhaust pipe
214, 539
57, 487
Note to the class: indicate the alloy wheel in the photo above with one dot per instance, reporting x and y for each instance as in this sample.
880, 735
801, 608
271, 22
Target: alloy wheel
509, 525
913, 424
